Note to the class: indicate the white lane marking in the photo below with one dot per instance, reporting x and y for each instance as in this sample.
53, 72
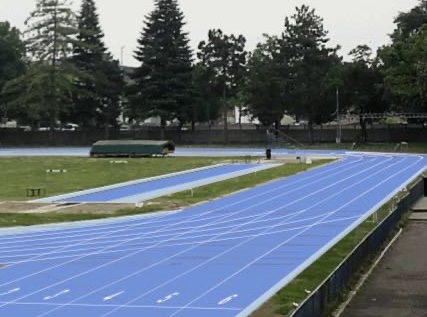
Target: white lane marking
315, 173
110, 297
159, 262
167, 298
141, 242
268, 192
228, 299
298, 234
197, 242
197, 216
11, 291
165, 307
246, 241
65, 291
194, 239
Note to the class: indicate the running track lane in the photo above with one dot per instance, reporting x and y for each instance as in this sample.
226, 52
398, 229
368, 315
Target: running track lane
219, 259
136, 191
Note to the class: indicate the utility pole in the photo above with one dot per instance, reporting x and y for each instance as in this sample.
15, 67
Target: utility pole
121, 55
339, 131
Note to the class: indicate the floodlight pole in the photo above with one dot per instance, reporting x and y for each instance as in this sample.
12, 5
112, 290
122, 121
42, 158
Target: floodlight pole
339, 131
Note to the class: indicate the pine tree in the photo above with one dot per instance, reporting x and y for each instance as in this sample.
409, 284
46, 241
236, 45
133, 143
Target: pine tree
49, 42
100, 83
164, 79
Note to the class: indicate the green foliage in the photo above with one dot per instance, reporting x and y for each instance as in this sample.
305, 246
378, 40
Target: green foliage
47, 86
265, 88
30, 99
362, 86
164, 79
100, 83
309, 63
12, 51
51, 31
206, 104
409, 23
225, 58
83, 173
404, 64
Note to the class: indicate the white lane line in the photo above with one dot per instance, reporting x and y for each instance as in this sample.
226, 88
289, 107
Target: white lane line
84, 242
137, 253
143, 243
95, 245
146, 234
192, 242
340, 166
283, 243
164, 307
243, 242
87, 271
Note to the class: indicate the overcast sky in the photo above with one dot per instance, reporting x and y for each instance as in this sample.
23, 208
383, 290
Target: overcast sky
349, 22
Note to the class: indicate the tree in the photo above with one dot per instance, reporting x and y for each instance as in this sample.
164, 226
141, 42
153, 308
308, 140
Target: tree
225, 57
12, 51
409, 23
206, 104
50, 38
164, 79
362, 86
309, 62
403, 63
266, 83
100, 83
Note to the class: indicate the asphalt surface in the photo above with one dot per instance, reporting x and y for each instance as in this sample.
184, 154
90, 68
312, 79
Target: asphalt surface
398, 286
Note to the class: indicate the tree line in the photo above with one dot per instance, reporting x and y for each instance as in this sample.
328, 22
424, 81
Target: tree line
60, 70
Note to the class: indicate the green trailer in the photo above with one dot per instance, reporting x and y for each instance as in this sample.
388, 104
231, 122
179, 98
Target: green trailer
131, 148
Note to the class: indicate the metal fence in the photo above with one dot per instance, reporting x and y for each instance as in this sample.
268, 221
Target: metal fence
315, 305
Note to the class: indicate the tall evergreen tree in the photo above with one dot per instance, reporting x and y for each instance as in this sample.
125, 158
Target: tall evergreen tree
49, 42
100, 83
164, 79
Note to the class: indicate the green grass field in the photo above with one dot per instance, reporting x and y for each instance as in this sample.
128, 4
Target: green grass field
82, 173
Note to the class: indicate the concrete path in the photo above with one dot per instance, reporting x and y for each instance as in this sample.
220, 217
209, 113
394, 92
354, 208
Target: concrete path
398, 286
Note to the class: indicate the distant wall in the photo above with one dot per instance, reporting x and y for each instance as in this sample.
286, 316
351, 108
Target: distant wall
12, 137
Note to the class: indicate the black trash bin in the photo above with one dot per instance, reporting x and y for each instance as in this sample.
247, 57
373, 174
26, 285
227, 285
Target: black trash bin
268, 154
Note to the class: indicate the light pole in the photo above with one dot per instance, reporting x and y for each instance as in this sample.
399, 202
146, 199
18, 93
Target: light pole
121, 55
339, 132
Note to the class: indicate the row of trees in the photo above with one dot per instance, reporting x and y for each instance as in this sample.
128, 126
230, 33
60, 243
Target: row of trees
69, 75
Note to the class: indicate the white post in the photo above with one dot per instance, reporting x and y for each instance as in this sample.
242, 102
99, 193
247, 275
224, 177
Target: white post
339, 132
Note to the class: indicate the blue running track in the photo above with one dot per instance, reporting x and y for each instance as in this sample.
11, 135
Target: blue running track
140, 190
219, 259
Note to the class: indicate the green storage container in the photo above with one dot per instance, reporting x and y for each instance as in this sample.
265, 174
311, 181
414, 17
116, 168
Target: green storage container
131, 148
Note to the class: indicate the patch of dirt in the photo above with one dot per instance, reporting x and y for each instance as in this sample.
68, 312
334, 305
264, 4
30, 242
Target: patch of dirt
30, 207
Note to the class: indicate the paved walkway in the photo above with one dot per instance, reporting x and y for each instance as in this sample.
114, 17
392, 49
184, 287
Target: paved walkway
398, 286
